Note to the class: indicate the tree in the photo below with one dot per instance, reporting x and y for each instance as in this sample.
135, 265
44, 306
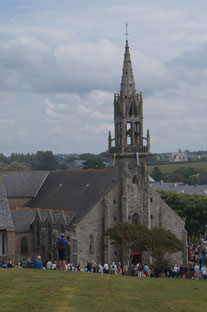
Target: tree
4, 159
46, 160
62, 166
160, 242
193, 207
19, 166
130, 236
163, 243
93, 164
156, 174
194, 179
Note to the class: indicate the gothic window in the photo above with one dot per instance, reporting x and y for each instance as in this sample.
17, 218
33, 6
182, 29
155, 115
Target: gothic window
131, 111
3, 243
128, 134
24, 246
38, 234
50, 236
62, 229
75, 246
136, 133
135, 180
118, 139
136, 218
91, 247
75, 260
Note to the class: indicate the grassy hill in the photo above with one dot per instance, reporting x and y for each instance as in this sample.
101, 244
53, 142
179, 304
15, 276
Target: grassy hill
30, 290
199, 166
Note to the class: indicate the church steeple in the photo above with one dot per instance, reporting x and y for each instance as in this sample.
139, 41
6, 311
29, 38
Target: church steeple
127, 81
128, 116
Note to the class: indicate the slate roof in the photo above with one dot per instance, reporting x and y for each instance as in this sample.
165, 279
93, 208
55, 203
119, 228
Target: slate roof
22, 183
22, 219
73, 190
180, 188
6, 222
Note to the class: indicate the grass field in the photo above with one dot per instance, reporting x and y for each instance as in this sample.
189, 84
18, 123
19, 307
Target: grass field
43, 290
200, 167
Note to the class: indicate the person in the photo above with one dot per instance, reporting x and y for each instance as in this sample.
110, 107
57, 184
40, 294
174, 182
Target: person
54, 265
203, 272
89, 266
62, 245
37, 263
49, 265
70, 268
119, 269
175, 271
146, 270
139, 270
106, 268
197, 271
125, 270
113, 268
100, 268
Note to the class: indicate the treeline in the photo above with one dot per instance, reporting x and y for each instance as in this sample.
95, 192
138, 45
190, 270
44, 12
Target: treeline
187, 175
46, 160
191, 207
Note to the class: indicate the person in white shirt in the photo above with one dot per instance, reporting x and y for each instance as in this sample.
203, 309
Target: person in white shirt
49, 265
106, 268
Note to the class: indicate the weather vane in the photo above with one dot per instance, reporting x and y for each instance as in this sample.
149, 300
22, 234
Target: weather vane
126, 34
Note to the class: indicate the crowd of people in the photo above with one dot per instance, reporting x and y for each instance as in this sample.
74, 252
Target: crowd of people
195, 270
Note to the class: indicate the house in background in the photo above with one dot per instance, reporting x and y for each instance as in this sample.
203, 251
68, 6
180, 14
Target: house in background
178, 156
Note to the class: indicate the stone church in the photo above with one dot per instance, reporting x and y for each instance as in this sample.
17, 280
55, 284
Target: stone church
36, 206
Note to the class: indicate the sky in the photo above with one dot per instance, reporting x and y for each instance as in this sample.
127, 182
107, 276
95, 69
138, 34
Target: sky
61, 63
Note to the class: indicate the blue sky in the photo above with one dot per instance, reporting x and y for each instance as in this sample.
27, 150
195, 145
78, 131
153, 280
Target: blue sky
61, 61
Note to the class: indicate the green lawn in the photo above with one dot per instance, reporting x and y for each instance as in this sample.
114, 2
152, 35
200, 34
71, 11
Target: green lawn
41, 290
200, 167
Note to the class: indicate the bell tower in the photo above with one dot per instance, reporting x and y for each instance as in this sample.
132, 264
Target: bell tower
129, 148
128, 116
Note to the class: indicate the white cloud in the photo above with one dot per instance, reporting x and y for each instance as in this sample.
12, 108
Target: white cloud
60, 65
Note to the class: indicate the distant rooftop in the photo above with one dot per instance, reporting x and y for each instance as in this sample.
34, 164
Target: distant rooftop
180, 187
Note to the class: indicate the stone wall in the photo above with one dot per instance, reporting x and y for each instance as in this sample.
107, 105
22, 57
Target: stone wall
161, 215
88, 241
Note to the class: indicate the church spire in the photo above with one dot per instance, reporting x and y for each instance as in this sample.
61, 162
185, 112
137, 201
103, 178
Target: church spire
128, 116
127, 81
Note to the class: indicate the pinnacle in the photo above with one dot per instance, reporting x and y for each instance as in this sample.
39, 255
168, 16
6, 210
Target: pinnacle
127, 82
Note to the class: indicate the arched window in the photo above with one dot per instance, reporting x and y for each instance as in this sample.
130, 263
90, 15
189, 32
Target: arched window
91, 247
136, 218
50, 236
135, 180
24, 246
62, 229
3, 243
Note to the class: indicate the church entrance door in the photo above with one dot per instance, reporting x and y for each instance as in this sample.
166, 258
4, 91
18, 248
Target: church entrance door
136, 257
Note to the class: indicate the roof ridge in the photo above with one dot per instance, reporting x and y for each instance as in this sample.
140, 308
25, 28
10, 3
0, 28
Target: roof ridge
28, 208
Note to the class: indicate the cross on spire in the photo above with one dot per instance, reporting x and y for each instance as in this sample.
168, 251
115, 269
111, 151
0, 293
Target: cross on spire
126, 34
